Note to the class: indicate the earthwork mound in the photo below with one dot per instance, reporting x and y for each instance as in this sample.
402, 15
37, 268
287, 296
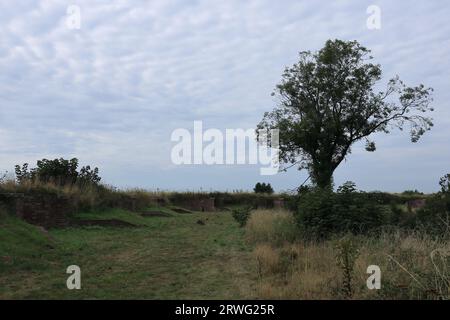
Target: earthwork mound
154, 213
181, 210
103, 223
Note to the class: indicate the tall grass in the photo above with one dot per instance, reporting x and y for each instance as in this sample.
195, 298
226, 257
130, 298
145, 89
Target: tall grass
413, 265
86, 197
272, 226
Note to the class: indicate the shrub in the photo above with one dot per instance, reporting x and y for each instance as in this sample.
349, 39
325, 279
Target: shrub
346, 254
275, 227
58, 171
241, 215
435, 216
322, 212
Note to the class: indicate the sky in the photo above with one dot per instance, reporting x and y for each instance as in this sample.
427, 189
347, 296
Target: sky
111, 89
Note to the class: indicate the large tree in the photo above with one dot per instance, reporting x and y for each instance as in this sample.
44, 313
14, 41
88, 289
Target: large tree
328, 101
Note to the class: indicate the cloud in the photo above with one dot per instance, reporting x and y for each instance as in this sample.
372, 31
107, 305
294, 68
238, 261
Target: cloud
111, 92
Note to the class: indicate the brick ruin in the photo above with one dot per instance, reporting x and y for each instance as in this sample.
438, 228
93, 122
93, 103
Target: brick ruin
50, 210
199, 204
278, 203
209, 204
46, 210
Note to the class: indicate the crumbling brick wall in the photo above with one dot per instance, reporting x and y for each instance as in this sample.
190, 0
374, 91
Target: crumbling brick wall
46, 210
278, 203
198, 204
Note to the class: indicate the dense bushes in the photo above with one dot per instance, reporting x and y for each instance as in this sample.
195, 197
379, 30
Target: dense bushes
59, 172
435, 216
323, 212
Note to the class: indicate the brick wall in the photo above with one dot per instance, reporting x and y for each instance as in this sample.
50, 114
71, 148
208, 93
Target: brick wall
200, 204
46, 210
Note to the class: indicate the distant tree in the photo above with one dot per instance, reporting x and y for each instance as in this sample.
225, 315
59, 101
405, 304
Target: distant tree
328, 102
412, 192
263, 188
347, 187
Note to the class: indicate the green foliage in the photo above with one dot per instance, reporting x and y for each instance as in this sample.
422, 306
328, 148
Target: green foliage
328, 102
33, 267
241, 215
435, 216
227, 199
58, 171
322, 212
347, 187
263, 188
412, 192
346, 254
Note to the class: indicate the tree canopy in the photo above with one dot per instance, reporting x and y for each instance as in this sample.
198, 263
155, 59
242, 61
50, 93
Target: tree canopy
328, 102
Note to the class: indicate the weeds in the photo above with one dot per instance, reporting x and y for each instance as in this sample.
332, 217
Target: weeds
413, 264
273, 226
347, 253
241, 215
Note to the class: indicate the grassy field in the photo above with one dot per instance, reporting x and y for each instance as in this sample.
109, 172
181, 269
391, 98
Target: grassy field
163, 258
176, 257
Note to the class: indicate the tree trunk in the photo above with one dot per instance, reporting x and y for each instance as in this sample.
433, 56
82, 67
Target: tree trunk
322, 175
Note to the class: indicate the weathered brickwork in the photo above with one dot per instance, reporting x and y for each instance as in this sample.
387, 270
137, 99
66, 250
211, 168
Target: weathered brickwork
200, 204
46, 210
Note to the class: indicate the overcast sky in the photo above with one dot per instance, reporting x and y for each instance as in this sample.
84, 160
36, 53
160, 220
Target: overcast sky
112, 91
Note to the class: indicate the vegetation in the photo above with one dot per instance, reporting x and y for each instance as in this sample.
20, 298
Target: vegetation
328, 102
272, 226
347, 253
434, 218
414, 265
322, 212
163, 258
59, 172
175, 257
263, 188
318, 247
241, 215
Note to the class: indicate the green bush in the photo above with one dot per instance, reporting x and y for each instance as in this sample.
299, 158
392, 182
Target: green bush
60, 172
322, 213
435, 216
241, 215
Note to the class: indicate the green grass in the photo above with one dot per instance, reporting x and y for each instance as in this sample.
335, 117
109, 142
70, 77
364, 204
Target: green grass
164, 258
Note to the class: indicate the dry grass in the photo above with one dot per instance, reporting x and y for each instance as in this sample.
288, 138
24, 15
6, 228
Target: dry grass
273, 226
86, 197
413, 265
